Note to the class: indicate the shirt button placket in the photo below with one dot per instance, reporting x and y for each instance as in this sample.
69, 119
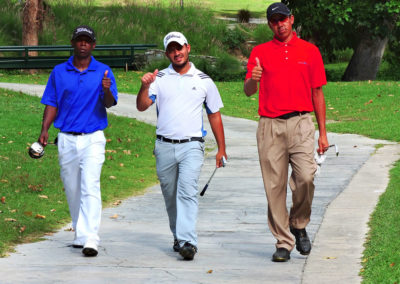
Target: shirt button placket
286, 52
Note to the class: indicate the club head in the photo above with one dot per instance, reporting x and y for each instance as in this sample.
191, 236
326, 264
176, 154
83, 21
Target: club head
36, 150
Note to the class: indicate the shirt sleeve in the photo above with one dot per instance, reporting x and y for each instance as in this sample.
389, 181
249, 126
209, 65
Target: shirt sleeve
153, 90
317, 72
213, 100
49, 96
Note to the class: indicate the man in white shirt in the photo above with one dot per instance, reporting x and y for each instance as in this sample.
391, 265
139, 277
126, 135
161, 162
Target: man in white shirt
180, 91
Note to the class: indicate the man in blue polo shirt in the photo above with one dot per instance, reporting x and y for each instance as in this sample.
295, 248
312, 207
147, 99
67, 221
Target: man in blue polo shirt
76, 97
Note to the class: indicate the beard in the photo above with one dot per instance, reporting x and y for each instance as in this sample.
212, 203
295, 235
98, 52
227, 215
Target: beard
180, 65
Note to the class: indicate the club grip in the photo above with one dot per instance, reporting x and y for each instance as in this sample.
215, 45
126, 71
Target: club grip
204, 190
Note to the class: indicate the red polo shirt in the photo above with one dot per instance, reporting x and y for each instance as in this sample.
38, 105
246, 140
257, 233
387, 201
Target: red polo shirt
290, 70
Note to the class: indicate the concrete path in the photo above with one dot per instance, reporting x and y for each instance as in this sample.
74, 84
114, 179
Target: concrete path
235, 245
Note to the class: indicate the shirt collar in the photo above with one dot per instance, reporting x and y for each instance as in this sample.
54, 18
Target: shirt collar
292, 41
190, 72
92, 64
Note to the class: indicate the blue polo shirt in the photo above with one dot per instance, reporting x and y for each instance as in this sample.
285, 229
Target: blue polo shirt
78, 96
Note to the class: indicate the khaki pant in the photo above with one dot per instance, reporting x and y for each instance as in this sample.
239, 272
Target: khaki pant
282, 142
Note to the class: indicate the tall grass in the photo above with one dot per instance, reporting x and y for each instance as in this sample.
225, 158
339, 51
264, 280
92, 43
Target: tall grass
10, 23
134, 23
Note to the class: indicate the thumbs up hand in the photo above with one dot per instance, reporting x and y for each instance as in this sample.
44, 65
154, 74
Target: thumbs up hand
106, 82
149, 78
257, 71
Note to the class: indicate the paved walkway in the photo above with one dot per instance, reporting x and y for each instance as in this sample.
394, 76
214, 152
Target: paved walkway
235, 245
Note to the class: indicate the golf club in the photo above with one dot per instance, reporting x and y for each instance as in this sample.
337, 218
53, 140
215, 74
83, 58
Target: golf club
223, 160
320, 158
36, 150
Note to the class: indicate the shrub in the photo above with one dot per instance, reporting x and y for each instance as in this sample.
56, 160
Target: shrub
157, 64
226, 68
262, 33
334, 72
233, 38
243, 16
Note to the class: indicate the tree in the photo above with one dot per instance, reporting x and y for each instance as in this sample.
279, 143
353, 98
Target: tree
32, 18
366, 26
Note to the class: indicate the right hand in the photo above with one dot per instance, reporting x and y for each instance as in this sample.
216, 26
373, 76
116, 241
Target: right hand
257, 71
149, 78
43, 138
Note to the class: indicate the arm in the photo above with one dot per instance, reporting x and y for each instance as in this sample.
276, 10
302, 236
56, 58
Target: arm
49, 115
218, 130
108, 96
143, 101
251, 84
320, 114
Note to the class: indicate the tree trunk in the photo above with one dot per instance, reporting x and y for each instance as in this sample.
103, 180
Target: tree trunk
30, 24
367, 57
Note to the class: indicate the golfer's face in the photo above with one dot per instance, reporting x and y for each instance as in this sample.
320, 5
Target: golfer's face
178, 54
281, 25
83, 46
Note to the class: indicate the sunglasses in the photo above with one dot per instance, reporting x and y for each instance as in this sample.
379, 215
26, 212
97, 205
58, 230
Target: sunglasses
281, 19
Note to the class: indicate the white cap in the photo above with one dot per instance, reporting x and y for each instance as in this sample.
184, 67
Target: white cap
174, 37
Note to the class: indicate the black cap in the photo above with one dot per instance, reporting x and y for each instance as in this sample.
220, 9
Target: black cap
277, 8
84, 30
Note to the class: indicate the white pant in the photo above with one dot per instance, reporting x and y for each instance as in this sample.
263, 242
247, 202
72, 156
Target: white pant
81, 159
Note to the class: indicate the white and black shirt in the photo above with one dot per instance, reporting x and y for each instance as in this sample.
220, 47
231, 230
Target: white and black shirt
179, 100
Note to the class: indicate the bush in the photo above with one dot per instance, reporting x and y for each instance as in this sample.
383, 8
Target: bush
243, 16
227, 68
334, 72
157, 64
262, 33
233, 38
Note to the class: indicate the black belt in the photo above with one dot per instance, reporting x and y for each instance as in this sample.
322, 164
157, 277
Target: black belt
75, 133
292, 114
179, 141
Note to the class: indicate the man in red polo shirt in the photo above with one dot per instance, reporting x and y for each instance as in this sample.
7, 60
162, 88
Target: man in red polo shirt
291, 74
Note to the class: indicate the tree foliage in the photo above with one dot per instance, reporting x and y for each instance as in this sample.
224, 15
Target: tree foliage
339, 24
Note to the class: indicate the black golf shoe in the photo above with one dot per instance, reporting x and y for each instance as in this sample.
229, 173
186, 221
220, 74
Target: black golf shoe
187, 251
303, 244
281, 255
176, 246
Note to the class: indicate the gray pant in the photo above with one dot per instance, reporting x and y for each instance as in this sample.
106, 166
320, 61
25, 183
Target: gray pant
178, 169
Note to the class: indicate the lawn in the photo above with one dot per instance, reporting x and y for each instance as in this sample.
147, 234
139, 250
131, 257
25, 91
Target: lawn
365, 108
32, 197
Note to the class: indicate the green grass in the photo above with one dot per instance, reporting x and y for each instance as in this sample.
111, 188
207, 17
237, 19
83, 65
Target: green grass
381, 261
32, 188
366, 108
221, 7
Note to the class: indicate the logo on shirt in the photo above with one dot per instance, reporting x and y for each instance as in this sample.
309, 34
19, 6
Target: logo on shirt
194, 89
302, 62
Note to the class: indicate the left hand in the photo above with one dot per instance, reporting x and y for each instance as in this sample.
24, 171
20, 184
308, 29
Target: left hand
218, 158
106, 82
323, 144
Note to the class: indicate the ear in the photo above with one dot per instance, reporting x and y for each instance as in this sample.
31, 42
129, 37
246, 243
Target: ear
188, 48
291, 19
94, 45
